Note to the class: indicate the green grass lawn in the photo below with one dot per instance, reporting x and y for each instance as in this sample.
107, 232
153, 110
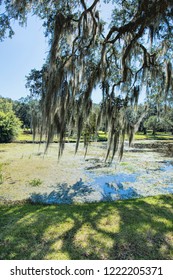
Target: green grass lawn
28, 137
131, 229
102, 136
24, 136
150, 136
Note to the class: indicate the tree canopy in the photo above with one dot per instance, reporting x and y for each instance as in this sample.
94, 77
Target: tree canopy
130, 53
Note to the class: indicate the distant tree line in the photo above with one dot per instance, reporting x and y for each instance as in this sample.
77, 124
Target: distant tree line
25, 114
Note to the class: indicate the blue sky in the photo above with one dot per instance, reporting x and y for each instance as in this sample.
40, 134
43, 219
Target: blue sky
25, 51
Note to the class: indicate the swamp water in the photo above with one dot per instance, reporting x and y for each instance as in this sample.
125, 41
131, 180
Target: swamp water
140, 184
142, 172
145, 173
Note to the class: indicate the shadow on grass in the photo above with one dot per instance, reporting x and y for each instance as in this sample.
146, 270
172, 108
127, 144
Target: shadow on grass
131, 229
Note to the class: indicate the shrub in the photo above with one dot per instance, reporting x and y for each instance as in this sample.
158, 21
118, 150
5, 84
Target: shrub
9, 127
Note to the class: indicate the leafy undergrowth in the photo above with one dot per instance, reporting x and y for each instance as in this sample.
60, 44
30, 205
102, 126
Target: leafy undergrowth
131, 229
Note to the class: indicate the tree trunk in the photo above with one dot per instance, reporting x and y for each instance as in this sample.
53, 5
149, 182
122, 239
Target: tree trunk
144, 130
154, 132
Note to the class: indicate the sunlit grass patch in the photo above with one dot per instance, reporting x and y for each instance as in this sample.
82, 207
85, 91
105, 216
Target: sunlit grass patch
24, 136
93, 243
102, 136
150, 136
131, 229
